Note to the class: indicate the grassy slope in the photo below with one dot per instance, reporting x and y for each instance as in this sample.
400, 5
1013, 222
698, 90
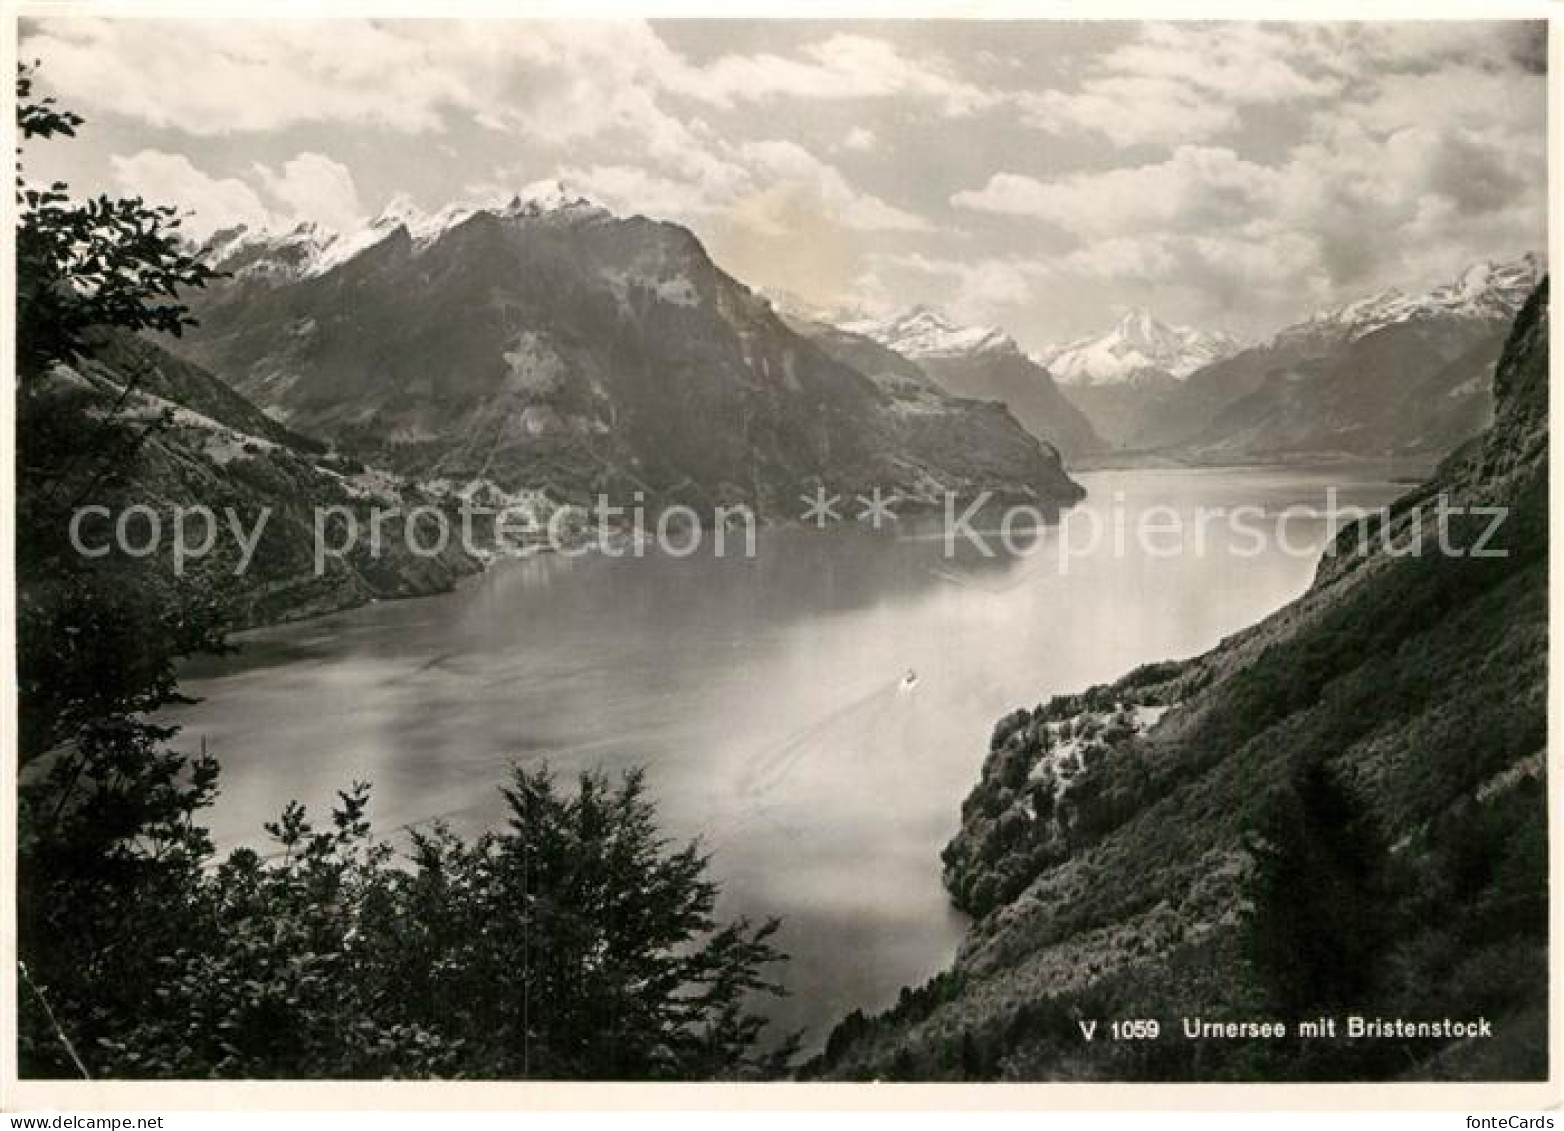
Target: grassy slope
221, 452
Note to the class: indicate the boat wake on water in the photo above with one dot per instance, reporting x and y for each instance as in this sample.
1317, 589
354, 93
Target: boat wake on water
854, 725
757, 795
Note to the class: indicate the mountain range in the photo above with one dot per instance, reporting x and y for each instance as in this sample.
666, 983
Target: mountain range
549, 344
984, 362
545, 345
1483, 292
1394, 374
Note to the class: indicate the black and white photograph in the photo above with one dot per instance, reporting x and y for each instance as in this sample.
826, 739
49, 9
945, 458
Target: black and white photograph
758, 550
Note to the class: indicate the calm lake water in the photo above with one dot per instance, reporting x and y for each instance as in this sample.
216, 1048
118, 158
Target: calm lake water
767, 697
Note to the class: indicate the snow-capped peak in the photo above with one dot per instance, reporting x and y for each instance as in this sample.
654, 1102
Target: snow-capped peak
1487, 291
926, 332
423, 227
310, 250
261, 252
1139, 345
551, 196
537, 199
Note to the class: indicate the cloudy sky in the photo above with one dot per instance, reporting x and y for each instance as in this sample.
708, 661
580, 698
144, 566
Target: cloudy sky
1038, 175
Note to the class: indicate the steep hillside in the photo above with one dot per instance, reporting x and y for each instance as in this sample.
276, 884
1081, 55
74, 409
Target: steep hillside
1122, 412
547, 344
1408, 389
992, 440
123, 358
985, 363
1340, 810
204, 445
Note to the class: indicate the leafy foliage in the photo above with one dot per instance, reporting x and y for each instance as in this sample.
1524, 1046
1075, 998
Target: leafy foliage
85, 265
577, 944
95, 640
573, 945
1314, 924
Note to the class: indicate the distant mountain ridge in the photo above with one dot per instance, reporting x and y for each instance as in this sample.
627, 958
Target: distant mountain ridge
1391, 374
923, 332
1484, 292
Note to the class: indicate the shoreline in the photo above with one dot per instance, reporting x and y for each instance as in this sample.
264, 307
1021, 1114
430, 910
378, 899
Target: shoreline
1400, 470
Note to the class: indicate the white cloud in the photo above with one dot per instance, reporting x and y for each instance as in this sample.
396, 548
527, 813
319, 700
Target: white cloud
1197, 185
559, 85
972, 290
1381, 204
566, 78
1179, 83
209, 77
1246, 63
209, 202
1203, 278
786, 163
839, 68
1174, 84
760, 185
860, 140
1416, 171
1255, 255
1259, 275
1272, 164
1451, 97
221, 76
1425, 46
630, 189
1129, 110
310, 187
582, 87
316, 188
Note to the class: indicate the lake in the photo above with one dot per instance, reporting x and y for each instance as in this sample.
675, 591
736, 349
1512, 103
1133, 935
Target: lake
769, 698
